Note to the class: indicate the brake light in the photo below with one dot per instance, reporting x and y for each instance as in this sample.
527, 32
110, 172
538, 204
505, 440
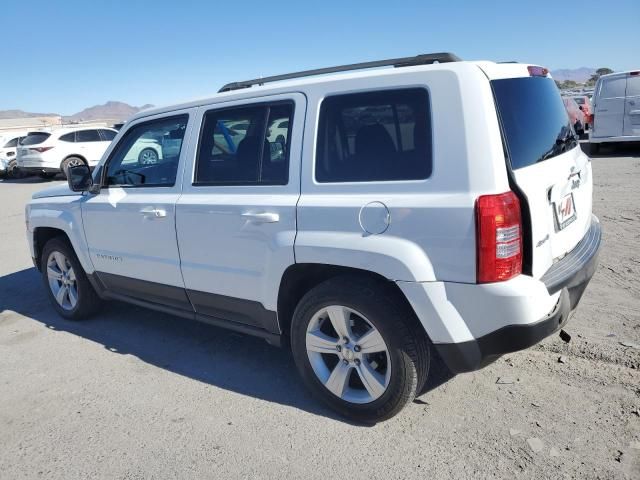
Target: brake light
536, 71
498, 237
41, 149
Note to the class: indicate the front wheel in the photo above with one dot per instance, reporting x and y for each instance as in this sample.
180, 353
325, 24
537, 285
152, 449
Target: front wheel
356, 347
13, 171
69, 289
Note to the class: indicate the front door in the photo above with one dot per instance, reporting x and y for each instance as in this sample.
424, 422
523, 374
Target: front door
236, 219
130, 224
632, 106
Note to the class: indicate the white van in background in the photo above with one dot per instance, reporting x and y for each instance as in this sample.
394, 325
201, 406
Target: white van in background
616, 109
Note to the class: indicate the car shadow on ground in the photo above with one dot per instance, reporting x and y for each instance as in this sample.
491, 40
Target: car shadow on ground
31, 179
218, 357
623, 149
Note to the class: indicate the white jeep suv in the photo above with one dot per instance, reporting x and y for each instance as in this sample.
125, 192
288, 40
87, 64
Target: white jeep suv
49, 153
410, 210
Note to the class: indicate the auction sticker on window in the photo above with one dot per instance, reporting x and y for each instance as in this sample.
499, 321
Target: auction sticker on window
565, 211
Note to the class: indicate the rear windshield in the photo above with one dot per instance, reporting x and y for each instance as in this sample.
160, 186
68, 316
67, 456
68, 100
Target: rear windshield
35, 138
534, 121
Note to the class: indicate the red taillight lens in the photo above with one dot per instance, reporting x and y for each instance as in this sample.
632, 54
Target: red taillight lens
41, 149
535, 71
498, 237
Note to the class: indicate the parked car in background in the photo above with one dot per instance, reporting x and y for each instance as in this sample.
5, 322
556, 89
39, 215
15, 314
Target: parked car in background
575, 114
584, 103
49, 153
8, 146
616, 109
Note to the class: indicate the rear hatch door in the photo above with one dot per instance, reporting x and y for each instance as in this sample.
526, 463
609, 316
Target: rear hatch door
549, 168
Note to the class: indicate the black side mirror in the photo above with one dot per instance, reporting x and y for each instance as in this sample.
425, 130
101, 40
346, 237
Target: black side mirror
79, 178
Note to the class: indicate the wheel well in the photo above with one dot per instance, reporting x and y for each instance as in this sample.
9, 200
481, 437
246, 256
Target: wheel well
41, 236
298, 279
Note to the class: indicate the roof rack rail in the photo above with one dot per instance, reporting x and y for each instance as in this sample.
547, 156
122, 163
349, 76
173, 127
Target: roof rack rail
424, 59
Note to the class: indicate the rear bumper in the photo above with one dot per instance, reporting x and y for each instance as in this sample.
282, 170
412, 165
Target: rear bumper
564, 283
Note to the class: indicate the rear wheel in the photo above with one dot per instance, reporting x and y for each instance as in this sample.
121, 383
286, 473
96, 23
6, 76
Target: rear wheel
148, 156
70, 162
69, 289
356, 347
13, 171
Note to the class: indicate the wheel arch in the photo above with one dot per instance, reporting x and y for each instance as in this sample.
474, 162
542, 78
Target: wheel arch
41, 235
299, 278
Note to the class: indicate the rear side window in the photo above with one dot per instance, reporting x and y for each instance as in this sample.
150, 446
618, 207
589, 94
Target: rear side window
107, 135
535, 124
633, 86
245, 146
88, 136
374, 136
35, 138
11, 143
69, 137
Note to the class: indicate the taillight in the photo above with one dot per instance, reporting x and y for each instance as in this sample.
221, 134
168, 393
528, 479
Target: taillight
41, 149
498, 237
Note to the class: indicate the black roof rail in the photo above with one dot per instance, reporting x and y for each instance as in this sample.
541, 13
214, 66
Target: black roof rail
424, 59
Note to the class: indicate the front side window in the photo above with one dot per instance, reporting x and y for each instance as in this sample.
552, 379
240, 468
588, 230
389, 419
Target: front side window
148, 154
245, 146
374, 136
88, 136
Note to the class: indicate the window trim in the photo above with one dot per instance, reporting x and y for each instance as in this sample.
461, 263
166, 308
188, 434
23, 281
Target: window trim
393, 89
263, 104
105, 167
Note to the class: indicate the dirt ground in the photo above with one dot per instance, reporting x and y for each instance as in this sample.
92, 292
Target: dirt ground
136, 394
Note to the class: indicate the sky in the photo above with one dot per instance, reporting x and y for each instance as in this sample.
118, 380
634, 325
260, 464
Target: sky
71, 54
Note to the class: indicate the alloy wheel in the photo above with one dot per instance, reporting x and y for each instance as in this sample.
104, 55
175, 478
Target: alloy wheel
62, 280
348, 354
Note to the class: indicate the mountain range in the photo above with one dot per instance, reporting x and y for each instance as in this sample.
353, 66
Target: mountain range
579, 75
110, 110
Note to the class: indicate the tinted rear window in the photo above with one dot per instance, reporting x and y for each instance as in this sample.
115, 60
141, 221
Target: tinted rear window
534, 120
374, 136
35, 138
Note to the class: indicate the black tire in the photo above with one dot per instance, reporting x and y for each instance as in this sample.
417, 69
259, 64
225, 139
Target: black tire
13, 171
407, 344
88, 301
594, 148
281, 139
64, 166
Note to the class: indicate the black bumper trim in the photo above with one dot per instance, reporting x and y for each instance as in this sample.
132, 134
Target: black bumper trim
577, 265
478, 353
39, 170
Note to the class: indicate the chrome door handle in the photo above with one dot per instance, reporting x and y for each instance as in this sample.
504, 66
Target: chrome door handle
261, 217
153, 212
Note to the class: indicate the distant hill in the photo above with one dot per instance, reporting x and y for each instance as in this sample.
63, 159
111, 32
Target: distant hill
111, 110
22, 114
579, 75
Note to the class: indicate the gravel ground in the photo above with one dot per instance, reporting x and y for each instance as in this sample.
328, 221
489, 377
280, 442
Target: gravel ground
137, 394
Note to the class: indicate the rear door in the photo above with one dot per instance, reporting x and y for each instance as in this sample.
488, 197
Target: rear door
609, 106
632, 106
548, 166
236, 218
90, 145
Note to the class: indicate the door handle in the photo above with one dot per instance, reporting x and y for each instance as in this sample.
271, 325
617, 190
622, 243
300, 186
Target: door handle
153, 212
266, 217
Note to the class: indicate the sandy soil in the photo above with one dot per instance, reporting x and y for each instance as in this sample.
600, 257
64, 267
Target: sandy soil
136, 394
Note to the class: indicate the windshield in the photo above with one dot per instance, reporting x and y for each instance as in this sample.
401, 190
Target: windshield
534, 120
35, 138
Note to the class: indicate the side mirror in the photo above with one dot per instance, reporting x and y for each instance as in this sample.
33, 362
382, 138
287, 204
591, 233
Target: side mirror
79, 178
